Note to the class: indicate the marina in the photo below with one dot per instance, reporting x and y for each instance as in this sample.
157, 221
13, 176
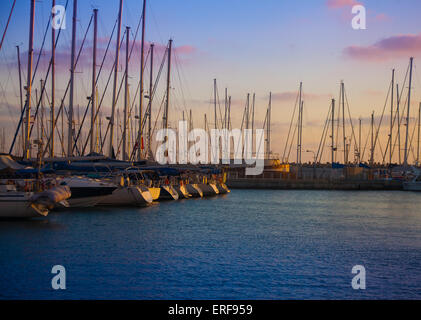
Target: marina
154, 152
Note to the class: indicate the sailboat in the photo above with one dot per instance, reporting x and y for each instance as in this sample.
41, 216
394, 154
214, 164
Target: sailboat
27, 204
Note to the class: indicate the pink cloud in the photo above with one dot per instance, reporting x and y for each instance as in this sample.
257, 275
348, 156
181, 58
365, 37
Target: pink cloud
335, 4
382, 17
388, 48
292, 95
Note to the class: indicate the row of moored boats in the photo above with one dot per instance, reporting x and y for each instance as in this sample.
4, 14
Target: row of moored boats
28, 192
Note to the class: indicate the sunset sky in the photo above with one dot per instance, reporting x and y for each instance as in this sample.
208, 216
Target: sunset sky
249, 46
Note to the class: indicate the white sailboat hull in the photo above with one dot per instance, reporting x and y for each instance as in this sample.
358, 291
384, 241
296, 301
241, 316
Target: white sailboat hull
128, 196
19, 206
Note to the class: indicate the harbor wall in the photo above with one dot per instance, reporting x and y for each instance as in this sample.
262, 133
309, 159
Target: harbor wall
309, 179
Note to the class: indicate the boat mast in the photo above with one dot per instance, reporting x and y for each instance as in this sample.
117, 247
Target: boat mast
93, 93
391, 117
150, 104
226, 107
117, 53
214, 98
405, 161
372, 140
333, 132
53, 85
252, 122
343, 120
42, 110
359, 140
268, 127
399, 123
126, 92
418, 142
167, 103
29, 81
300, 106
72, 75
21, 99
142, 62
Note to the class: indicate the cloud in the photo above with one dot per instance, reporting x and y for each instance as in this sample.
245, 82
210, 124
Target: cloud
292, 96
398, 46
62, 58
335, 4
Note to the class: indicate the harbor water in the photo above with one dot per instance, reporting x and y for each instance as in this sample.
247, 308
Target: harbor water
250, 244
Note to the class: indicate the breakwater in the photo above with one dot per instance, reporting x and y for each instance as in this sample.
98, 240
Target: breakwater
297, 184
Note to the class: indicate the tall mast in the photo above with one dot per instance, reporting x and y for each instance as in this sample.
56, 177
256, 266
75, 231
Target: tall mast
333, 132
229, 112
391, 117
126, 93
117, 53
214, 99
21, 99
300, 106
343, 120
418, 142
165, 122
248, 111
53, 86
405, 161
93, 92
252, 121
399, 123
372, 140
29, 80
142, 62
268, 126
150, 104
359, 141
42, 109
72, 76
226, 107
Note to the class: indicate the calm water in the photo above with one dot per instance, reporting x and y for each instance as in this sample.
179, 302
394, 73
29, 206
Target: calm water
247, 245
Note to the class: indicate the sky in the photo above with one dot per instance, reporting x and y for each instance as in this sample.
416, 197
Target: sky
249, 46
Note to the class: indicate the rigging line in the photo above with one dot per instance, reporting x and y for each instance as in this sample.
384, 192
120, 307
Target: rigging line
90, 100
290, 126
133, 103
292, 141
396, 113
350, 121
26, 102
261, 137
381, 118
323, 133
67, 87
324, 141
7, 24
149, 104
365, 145
102, 98
157, 116
179, 78
43, 88
118, 95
